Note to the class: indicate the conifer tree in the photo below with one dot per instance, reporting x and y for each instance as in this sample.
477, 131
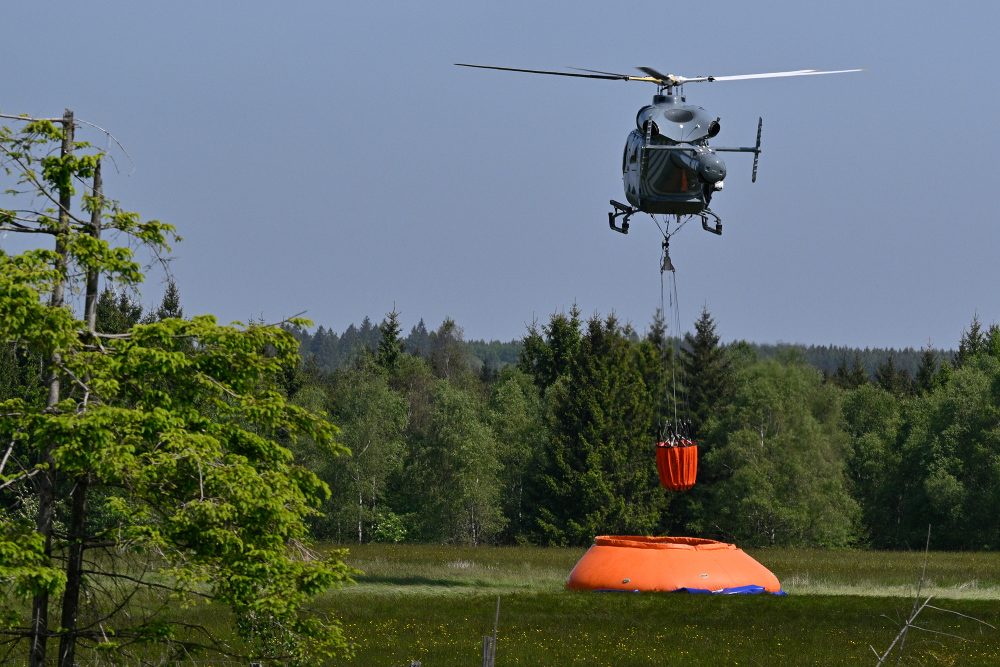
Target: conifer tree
706, 372
893, 379
117, 313
170, 306
656, 359
549, 354
419, 340
850, 377
927, 370
597, 473
972, 342
390, 345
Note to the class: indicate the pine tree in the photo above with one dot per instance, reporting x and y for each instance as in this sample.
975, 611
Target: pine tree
117, 313
706, 369
548, 355
657, 334
656, 359
893, 379
390, 345
170, 306
972, 343
850, 377
597, 473
927, 370
419, 340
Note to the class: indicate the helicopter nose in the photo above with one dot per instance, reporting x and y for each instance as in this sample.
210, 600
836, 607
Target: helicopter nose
711, 168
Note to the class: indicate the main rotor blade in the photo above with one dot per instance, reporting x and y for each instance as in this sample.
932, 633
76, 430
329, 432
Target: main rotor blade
772, 75
606, 75
595, 74
665, 78
598, 71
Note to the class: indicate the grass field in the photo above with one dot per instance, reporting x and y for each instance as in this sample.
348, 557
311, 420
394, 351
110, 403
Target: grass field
434, 604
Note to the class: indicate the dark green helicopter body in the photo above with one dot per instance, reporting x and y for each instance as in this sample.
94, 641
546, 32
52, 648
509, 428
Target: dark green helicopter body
668, 166
659, 177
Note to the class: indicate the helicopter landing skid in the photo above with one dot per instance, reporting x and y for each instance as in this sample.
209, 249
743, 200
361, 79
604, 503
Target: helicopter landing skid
619, 211
705, 215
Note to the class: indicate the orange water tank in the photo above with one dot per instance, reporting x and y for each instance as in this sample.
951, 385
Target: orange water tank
677, 465
665, 564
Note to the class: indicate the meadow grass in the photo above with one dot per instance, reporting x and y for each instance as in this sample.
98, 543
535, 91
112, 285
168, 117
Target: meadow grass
434, 604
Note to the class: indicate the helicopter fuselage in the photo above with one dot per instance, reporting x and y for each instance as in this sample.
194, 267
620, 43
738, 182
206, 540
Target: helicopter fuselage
668, 166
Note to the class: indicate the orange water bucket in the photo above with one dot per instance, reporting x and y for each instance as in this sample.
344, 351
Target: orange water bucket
677, 465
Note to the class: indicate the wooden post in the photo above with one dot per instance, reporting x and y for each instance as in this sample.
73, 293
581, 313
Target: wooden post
490, 641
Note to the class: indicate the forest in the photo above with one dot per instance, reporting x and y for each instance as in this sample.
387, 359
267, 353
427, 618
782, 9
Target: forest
557, 445
549, 440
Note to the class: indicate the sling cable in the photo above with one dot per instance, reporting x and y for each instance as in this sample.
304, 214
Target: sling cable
676, 452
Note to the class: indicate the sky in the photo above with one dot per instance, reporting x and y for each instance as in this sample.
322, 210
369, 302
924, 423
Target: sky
327, 157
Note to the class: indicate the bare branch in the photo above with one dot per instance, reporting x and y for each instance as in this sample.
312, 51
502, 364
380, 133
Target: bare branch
973, 618
938, 632
29, 119
150, 584
3, 463
23, 476
77, 381
113, 138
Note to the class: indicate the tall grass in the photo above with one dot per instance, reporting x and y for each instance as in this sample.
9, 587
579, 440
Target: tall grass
434, 604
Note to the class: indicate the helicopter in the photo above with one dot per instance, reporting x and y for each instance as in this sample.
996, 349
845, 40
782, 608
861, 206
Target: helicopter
668, 166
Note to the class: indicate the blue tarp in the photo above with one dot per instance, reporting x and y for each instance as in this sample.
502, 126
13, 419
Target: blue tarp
735, 590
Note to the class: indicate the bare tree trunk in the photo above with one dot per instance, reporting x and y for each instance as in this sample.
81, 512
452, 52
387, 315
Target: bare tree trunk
78, 515
47, 480
74, 573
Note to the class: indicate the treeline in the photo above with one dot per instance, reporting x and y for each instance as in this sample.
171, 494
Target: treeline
555, 445
331, 351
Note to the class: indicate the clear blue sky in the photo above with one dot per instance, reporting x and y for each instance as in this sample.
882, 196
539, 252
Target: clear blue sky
327, 157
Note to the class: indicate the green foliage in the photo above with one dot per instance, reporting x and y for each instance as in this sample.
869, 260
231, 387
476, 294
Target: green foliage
850, 378
845, 459
934, 458
517, 419
451, 482
549, 354
973, 342
779, 455
117, 314
373, 418
597, 474
448, 356
706, 373
927, 371
390, 345
893, 379
175, 427
170, 305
